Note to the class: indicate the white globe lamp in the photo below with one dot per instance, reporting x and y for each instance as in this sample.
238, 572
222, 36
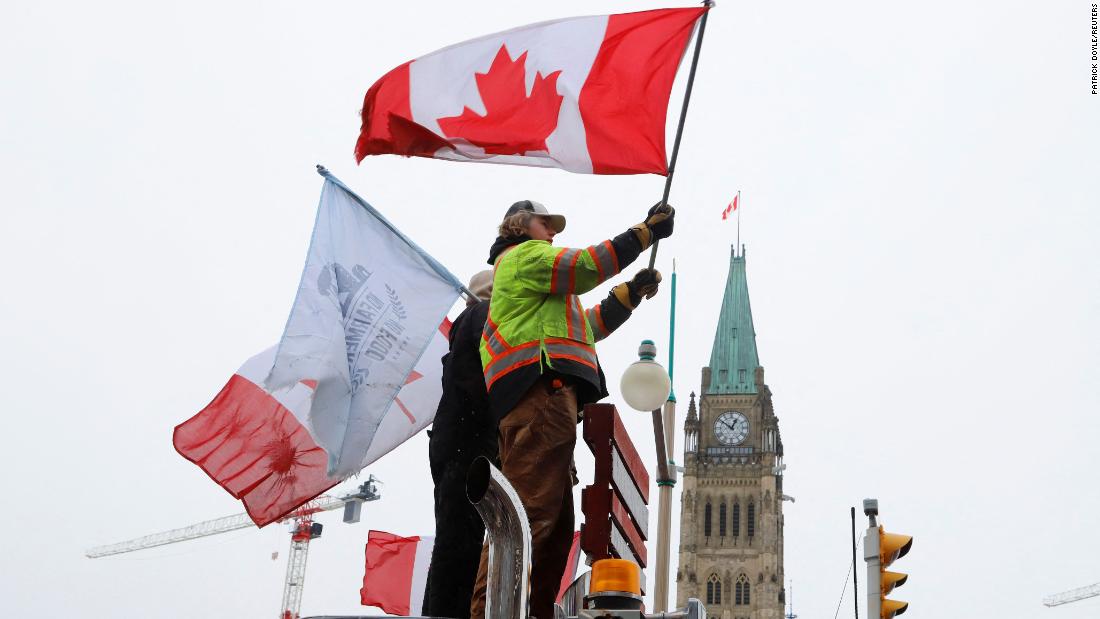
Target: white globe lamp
645, 384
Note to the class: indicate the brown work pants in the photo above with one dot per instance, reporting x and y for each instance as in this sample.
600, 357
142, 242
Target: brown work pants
536, 454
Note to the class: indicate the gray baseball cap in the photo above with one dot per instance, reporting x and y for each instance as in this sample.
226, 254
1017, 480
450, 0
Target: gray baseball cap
481, 284
556, 221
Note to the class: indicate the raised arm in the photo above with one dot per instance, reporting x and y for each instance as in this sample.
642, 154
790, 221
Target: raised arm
551, 270
613, 311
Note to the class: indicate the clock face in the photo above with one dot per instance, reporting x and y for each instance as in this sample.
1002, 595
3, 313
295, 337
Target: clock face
731, 428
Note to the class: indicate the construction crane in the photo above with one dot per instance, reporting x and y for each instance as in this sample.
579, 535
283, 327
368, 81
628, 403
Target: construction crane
303, 529
790, 600
1073, 595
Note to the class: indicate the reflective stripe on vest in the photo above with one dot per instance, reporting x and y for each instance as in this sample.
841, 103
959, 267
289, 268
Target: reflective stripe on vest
561, 279
595, 320
606, 261
574, 351
493, 339
517, 357
574, 318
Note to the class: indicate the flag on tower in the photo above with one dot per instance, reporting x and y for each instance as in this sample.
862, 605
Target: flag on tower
732, 206
586, 94
356, 375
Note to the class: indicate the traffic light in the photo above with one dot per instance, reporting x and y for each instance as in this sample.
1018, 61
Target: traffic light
880, 550
892, 546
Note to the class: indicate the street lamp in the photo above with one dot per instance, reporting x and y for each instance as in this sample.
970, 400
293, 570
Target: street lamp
645, 384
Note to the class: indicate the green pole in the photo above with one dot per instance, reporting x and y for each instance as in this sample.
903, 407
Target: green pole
672, 336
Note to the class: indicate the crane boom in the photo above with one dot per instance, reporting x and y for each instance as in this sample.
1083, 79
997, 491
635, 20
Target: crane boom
197, 530
322, 503
302, 531
1073, 595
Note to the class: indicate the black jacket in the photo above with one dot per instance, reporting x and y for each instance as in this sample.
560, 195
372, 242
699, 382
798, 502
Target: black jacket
463, 426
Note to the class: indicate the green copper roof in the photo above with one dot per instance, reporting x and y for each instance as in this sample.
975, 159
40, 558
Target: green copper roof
733, 359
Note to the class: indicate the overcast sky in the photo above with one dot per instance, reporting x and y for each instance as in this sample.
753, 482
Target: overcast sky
920, 190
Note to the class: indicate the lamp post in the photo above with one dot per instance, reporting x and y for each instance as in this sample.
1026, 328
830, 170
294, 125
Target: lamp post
647, 386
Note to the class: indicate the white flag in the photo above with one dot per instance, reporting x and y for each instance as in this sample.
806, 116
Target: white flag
368, 305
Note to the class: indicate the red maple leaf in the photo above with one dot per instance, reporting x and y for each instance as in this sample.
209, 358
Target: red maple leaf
513, 124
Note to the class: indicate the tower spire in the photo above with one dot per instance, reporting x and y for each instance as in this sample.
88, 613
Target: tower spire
733, 357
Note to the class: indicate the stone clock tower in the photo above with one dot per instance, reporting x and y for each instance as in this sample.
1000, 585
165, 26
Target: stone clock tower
731, 513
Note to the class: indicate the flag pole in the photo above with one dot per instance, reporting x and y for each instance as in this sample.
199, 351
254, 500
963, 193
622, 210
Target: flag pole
738, 220
683, 116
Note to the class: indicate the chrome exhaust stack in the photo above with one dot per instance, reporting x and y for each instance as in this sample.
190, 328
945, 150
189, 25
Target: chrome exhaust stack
506, 591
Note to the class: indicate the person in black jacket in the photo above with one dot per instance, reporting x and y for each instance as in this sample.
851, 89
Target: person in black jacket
462, 431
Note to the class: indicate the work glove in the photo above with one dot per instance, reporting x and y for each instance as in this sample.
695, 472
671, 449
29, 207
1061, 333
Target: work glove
657, 225
644, 285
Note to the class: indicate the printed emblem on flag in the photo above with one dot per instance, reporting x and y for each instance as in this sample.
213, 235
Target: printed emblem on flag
373, 321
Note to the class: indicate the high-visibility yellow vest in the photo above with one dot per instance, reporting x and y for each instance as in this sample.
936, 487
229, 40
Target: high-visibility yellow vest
535, 312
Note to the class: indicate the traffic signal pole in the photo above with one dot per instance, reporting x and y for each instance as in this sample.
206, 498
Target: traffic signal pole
855, 575
871, 556
880, 549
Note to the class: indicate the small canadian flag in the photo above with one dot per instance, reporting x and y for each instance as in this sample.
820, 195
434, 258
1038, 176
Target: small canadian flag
396, 572
731, 207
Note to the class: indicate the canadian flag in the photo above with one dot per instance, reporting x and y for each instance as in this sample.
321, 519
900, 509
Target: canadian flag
254, 442
731, 207
396, 572
586, 94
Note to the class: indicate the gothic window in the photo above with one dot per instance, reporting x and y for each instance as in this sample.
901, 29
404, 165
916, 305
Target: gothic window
714, 590
741, 591
740, 376
706, 520
751, 517
722, 519
690, 440
736, 518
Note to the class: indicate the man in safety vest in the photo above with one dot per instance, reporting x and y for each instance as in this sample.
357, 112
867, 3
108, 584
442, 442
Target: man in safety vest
540, 365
